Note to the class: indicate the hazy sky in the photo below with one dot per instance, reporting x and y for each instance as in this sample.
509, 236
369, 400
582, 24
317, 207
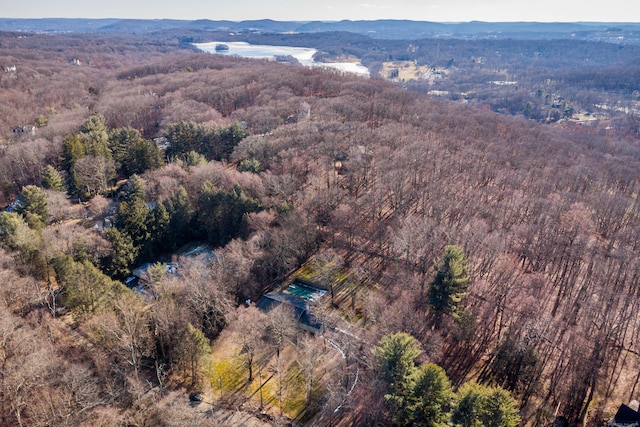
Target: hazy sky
306, 10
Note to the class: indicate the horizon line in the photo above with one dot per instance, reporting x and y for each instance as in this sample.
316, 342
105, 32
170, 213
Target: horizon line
329, 20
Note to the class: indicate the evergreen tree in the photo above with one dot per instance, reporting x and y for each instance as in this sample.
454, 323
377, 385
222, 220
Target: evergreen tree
158, 225
184, 137
225, 141
180, 214
222, 213
120, 139
95, 138
396, 355
499, 409
134, 154
142, 156
431, 394
131, 218
249, 165
16, 234
192, 351
72, 151
123, 253
86, 287
33, 206
467, 405
51, 179
195, 159
62, 266
133, 189
450, 282
218, 144
477, 405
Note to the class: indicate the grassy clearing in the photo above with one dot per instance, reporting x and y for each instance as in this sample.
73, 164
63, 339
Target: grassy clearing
306, 272
283, 390
227, 375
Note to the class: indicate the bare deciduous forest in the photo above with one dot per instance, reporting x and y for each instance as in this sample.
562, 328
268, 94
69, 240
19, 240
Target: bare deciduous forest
499, 254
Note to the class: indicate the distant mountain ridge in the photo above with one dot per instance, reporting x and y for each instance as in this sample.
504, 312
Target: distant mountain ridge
388, 29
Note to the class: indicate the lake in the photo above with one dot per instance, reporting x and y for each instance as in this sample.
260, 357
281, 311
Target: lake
304, 55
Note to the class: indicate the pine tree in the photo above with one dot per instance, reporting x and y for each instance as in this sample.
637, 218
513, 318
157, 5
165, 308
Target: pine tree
193, 349
15, 234
467, 405
477, 405
72, 150
450, 282
51, 179
499, 409
397, 354
133, 189
132, 219
431, 394
134, 154
158, 225
178, 230
226, 140
95, 138
184, 137
33, 206
123, 253
195, 159
86, 287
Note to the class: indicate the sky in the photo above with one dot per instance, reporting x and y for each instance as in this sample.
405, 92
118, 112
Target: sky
332, 10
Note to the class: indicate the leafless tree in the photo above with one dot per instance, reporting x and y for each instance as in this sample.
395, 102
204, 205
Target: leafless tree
249, 327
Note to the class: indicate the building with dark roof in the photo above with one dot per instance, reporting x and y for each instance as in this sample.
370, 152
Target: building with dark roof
306, 320
626, 417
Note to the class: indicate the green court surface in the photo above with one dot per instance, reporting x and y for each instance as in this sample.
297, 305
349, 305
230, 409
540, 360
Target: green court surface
304, 291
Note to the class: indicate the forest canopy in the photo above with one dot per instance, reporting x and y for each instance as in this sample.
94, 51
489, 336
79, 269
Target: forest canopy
486, 261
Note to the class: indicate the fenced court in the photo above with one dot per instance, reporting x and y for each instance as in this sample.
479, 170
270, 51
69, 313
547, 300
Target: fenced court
304, 291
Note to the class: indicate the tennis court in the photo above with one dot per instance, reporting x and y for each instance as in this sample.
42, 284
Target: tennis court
305, 291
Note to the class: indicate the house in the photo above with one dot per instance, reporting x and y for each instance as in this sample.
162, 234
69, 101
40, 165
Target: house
141, 281
141, 275
24, 130
144, 276
14, 206
162, 143
195, 251
627, 416
297, 295
306, 320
